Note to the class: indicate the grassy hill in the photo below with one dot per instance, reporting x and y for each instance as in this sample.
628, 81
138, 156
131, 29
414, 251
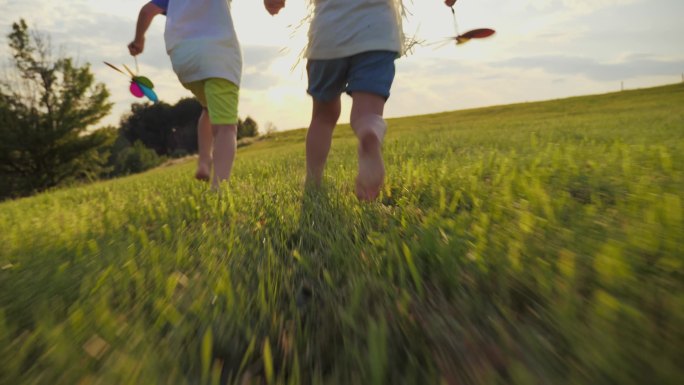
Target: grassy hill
536, 243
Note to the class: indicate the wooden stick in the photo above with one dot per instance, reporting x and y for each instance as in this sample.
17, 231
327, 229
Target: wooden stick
129, 71
116, 69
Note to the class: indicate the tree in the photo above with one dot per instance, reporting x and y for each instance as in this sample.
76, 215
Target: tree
46, 108
136, 158
270, 129
150, 124
185, 115
247, 128
169, 130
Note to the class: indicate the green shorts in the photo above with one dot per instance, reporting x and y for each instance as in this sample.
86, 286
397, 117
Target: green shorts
219, 96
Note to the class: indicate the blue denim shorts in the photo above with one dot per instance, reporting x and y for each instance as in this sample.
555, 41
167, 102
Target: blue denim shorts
371, 72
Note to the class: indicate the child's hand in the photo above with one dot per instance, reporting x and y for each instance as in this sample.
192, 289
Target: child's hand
450, 3
274, 6
136, 47
147, 13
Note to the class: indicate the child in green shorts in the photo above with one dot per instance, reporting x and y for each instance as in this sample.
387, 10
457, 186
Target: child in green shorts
205, 54
352, 48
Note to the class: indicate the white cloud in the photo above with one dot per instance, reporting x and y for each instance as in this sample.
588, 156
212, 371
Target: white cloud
631, 66
583, 6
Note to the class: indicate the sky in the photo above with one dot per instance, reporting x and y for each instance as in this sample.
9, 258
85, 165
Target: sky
543, 49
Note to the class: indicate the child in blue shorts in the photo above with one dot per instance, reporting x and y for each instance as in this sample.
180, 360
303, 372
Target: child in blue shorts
352, 48
205, 54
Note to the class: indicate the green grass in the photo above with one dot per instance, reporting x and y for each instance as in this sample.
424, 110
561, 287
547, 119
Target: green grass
538, 243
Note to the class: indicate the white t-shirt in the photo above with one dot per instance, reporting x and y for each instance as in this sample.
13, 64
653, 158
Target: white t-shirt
201, 40
342, 28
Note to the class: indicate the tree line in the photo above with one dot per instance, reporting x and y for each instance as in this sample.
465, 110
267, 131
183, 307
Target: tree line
48, 106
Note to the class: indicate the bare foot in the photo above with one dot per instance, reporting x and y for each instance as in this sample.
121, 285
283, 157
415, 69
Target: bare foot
203, 172
371, 168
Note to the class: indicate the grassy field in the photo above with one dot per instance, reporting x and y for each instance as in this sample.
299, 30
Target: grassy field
537, 243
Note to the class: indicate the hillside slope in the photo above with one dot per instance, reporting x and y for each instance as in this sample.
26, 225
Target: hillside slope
529, 243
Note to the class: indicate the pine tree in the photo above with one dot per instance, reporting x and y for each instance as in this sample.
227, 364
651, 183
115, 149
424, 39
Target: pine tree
47, 106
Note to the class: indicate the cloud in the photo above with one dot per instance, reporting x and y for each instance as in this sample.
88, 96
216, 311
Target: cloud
578, 6
257, 61
436, 67
259, 57
630, 67
258, 81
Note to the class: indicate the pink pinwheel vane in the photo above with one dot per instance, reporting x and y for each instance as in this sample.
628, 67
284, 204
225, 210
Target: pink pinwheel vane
141, 86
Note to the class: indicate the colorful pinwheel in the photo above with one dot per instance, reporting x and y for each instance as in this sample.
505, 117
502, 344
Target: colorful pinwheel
462, 38
479, 33
140, 85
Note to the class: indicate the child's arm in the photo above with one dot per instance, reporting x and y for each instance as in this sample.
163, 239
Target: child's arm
274, 6
147, 13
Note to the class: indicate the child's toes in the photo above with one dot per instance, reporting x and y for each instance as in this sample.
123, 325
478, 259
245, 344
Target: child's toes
203, 172
363, 193
202, 175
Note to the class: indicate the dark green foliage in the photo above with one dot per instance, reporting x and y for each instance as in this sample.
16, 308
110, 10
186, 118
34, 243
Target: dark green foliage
172, 130
134, 159
151, 124
169, 130
247, 128
47, 106
184, 132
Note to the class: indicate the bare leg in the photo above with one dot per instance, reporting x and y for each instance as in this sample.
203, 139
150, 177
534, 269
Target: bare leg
225, 146
369, 127
204, 144
319, 137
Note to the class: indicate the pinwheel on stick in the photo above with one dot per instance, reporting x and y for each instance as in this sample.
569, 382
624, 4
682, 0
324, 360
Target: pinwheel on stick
140, 86
479, 33
462, 38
